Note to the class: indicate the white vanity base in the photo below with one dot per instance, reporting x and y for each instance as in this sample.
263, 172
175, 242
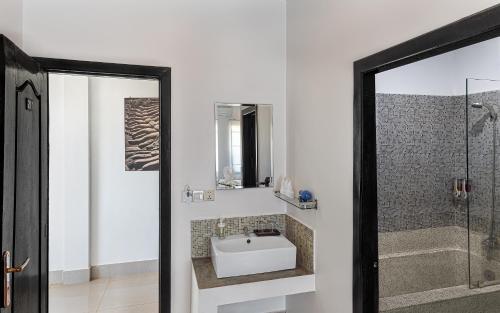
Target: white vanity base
208, 300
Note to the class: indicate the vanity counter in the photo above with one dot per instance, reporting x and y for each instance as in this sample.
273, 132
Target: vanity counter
209, 292
206, 277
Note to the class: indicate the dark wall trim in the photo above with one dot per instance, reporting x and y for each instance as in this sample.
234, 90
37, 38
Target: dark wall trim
473, 29
101, 68
163, 75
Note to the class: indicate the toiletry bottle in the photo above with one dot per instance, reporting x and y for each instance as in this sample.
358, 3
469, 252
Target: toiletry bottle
221, 228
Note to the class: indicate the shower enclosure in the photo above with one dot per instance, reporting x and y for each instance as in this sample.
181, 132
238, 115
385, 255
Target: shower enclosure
438, 189
483, 173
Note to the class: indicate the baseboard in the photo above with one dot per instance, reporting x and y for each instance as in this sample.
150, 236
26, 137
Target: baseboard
55, 277
76, 277
69, 277
121, 269
102, 271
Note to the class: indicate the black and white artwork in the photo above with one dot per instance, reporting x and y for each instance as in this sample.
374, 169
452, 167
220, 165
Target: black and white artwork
142, 134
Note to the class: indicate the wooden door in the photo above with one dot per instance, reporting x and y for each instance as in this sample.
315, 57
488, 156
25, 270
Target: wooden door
23, 134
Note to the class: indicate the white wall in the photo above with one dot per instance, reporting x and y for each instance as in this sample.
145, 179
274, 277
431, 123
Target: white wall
481, 61
124, 204
76, 183
11, 20
433, 76
69, 173
324, 38
445, 74
219, 50
56, 173
99, 213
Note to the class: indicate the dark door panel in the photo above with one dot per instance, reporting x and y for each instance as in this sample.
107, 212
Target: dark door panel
26, 284
23, 133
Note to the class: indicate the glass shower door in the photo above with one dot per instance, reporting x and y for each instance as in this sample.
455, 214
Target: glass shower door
483, 173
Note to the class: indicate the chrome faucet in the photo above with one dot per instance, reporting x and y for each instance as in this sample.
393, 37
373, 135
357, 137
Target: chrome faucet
259, 225
246, 231
273, 226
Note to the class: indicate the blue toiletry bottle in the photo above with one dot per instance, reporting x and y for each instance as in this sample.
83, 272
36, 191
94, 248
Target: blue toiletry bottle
305, 196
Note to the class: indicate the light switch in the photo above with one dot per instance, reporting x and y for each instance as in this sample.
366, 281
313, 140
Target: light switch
198, 195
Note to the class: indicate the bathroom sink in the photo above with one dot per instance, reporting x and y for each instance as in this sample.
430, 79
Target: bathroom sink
244, 255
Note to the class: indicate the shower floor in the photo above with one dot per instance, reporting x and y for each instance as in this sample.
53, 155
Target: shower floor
456, 299
427, 270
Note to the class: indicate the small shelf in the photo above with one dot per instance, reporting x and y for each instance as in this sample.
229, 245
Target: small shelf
311, 205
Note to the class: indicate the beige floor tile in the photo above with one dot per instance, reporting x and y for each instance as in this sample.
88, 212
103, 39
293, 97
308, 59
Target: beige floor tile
122, 295
136, 293
134, 280
144, 308
77, 288
79, 298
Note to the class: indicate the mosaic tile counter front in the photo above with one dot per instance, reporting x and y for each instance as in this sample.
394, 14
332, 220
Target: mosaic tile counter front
299, 234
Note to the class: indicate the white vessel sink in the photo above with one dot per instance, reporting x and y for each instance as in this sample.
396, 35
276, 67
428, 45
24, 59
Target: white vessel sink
241, 255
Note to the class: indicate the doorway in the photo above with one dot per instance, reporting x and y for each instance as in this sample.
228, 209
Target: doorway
103, 194
162, 76
367, 267
25, 183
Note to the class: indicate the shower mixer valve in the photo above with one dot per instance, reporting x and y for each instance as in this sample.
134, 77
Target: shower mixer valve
461, 188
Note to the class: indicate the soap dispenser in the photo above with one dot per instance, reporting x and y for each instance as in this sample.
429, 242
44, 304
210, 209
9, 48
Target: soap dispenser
221, 229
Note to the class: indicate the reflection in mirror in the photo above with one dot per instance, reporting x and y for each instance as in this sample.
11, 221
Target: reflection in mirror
243, 145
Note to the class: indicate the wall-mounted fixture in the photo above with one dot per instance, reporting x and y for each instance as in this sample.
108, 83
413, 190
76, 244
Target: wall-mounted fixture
461, 188
284, 190
309, 205
189, 195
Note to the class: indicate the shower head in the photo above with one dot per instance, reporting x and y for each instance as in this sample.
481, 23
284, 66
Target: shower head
478, 127
491, 110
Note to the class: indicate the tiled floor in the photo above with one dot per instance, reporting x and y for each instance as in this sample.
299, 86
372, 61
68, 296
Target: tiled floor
127, 294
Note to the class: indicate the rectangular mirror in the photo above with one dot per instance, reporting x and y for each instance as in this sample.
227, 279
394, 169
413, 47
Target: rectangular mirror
243, 140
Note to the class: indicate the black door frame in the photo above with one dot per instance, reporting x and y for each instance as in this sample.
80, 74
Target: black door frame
472, 29
163, 75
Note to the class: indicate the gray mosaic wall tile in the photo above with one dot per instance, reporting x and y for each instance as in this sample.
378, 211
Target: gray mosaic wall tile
203, 230
418, 149
421, 148
303, 238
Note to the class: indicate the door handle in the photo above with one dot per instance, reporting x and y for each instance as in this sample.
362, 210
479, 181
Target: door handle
8, 270
18, 269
